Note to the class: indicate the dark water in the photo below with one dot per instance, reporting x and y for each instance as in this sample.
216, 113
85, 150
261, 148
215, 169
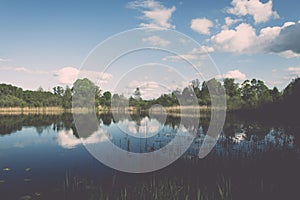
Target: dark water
42, 157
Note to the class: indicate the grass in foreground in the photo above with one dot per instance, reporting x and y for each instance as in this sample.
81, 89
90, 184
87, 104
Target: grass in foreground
156, 189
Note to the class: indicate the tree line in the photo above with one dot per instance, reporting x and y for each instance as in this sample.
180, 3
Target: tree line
251, 94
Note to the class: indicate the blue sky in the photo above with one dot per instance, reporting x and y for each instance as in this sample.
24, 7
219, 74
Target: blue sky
44, 43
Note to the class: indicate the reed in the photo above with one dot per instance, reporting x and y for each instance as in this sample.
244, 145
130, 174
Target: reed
33, 110
176, 111
156, 189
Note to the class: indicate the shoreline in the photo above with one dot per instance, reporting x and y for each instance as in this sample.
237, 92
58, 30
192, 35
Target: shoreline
33, 110
172, 110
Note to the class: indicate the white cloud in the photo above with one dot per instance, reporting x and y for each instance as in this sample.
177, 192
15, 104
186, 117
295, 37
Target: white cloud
243, 39
25, 70
68, 75
235, 74
156, 41
141, 84
67, 140
21, 69
294, 71
203, 50
6, 68
148, 89
147, 127
201, 25
274, 83
196, 54
97, 77
5, 60
286, 24
184, 41
29, 71
289, 54
260, 11
181, 57
154, 13
229, 22
237, 40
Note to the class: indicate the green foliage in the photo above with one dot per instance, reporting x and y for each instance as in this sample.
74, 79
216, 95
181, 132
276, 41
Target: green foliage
137, 94
10, 90
58, 90
276, 95
232, 88
11, 101
204, 95
84, 93
167, 100
67, 98
233, 94
252, 94
255, 93
119, 100
11, 96
291, 98
106, 99
293, 89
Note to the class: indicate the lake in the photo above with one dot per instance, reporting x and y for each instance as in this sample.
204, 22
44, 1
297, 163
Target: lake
42, 157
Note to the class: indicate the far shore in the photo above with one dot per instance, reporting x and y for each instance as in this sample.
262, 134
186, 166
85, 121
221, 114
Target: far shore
33, 110
172, 110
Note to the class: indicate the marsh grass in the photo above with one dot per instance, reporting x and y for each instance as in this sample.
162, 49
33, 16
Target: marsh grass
176, 111
42, 110
32, 110
155, 188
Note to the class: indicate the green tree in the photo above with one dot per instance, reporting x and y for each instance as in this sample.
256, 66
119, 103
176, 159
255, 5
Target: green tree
195, 86
291, 98
58, 90
40, 89
106, 99
204, 94
85, 93
248, 94
263, 92
137, 94
209, 88
232, 88
188, 96
233, 95
165, 100
276, 96
67, 98
119, 101
255, 93
11, 101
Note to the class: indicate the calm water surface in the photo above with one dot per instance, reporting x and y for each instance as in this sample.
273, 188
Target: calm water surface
41, 156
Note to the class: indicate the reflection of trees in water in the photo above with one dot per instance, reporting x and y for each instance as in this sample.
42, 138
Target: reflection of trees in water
234, 124
107, 119
253, 130
238, 147
249, 138
172, 121
13, 123
294, 131
86, 125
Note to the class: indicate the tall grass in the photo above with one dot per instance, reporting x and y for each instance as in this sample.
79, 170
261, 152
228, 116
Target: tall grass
156, 189
32, 110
